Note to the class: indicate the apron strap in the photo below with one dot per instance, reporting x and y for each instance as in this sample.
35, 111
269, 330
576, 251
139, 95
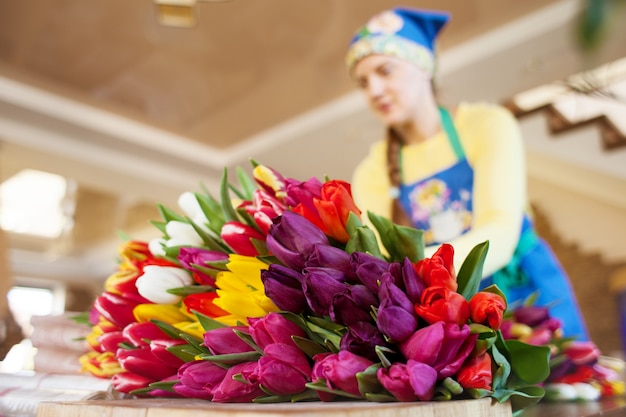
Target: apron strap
453, 137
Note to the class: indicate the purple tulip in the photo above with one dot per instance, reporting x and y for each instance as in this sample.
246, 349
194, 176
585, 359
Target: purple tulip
413, 284
283, 286
532, 316
339, 371
444, 346
410, 381
396, 316
198, 379
189, 257
330, 256
302, 192
274, 328
292, 239
369, 269
352, 305
320, 286
231, 390
283, 369
224, 340
361, 339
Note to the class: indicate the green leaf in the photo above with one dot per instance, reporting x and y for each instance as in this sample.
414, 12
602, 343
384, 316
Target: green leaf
248, 339
442, 394
169, 215
380, 398
213, 242
168, 329
530, 363
471, 271
159, 225
400, 241
207, 322
227, 206
494, 289
381, 352
212, 210
248, 185
232, 358
183, 352
451, 385
191, 289
477, 393
329, 338
164, 385
321, 386
363, 239
503, 369
368, 381
521, 397
309, 347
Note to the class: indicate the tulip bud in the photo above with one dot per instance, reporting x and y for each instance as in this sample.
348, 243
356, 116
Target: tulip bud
283, 286
231, 390
198, 379
239, 237
339, 370
224, 340
292, 239
182, 234
274, 328
156, 280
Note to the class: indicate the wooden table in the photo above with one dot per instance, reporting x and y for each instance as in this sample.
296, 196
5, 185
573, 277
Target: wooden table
610, 407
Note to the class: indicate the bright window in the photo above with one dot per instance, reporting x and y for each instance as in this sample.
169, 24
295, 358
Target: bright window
34, 202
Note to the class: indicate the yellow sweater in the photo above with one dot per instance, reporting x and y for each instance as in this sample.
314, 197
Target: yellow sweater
492, 143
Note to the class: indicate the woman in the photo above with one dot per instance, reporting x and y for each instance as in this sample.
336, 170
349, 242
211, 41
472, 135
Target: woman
460, 177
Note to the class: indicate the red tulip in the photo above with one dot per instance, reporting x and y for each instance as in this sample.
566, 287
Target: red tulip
438, 270
441, 304
332, 209
487, 308
239, 237
476, 373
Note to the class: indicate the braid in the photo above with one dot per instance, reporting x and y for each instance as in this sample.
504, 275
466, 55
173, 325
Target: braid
394, 170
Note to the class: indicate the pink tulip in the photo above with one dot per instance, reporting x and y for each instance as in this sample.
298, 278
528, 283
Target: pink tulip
231, 390
198, 379
283, 369
443, 346
339, 370
224, 340
274, 328
410, 381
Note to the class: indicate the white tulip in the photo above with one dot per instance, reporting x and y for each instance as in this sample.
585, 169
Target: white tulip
188, 203
586, 391
156, 280
156, 246
183, 233
560, 392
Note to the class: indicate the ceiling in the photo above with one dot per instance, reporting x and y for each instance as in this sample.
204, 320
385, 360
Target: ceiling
137, 112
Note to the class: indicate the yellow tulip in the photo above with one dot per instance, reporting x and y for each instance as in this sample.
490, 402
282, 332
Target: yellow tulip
240, 289
167, 313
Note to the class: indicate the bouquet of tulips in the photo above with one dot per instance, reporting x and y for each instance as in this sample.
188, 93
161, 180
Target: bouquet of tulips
278, 291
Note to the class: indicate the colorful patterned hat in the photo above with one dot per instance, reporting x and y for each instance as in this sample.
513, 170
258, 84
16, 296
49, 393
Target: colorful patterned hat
401, 32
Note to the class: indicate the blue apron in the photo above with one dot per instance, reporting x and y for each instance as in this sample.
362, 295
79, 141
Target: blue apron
441, 206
